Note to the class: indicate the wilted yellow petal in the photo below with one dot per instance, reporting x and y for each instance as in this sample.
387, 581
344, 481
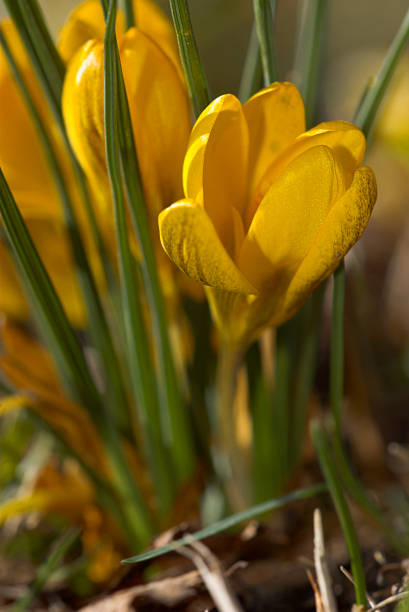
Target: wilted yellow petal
9, 403
275, 117
22, 157
215, 167
160, 114
289, 218
12, 300
190, 239
343, 226
52, 242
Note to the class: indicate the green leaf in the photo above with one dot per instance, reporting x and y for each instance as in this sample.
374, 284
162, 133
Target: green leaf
142, 370
375, 90
195, 76
264, 15
231, 521
175, 417
308, 53
252, 74
45, 571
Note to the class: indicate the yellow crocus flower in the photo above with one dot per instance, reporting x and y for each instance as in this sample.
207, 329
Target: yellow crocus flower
270, 209
157, 96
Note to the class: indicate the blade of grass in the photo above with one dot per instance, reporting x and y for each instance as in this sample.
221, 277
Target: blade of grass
141, 368
45, 571
97, 321
308, 53
231, 521
264, 15
175, 418
333, 481
364, 119
195, 76
129, 13
70, 360
46, 305
252, 74
375, 91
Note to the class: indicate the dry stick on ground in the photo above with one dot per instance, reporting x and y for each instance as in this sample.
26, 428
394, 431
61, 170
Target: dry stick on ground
321, 566
212, 574
381, 604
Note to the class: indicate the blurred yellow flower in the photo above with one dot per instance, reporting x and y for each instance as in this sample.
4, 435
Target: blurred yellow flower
24, 164
270, 209
157, 96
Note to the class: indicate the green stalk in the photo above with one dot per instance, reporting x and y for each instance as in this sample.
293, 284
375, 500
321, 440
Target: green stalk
336, 384
175, 418
129, 14
231, 521
370, 102
195, 76
264, 15
309, 322
281, 406
364, 118
46, 305
46, 569
349, 478
335, 488
97, 321
308, 53
141, 367
252, 74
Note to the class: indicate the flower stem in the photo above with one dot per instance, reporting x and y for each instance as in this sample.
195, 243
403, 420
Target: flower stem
234, 467
264, 14
195, 76
308, 53
252, 74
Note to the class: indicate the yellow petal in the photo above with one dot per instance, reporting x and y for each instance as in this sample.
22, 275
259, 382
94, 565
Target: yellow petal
83, 110
345, 140
289, 218
190, 239
151, 20
343, 226
275, 117
215, 168
86, 22
160, 113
